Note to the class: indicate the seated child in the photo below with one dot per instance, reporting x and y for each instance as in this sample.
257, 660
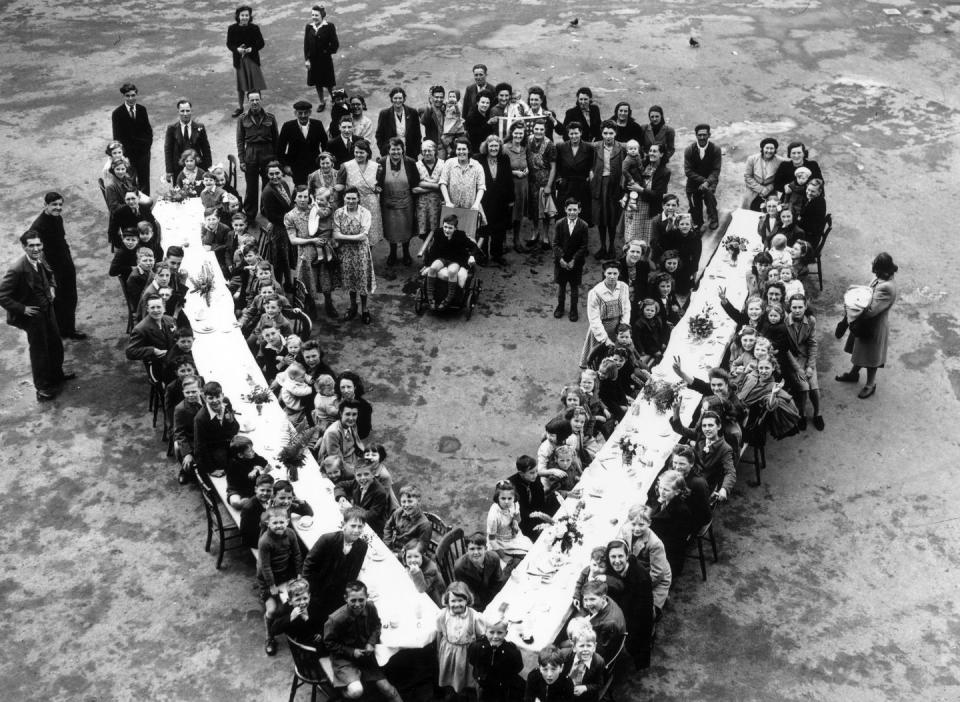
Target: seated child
269, 350
211, 195
497, 665
349, 635
605, 616
279, 561
547, 682
504, 537
742, 359
374, 455
272, 304
779, 252
245, 466
182, 351
408, 522
253, 510
293, 617
125, 258
670, 308
332, 468
284, 496
479, 570
326, 407
422, 571
292, 345
595, 571
370, 495
293, 391
792, 285
611, 392
148, 237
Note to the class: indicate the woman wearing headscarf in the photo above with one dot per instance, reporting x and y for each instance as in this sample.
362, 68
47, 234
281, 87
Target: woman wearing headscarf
759, 173
245, 40
657, 132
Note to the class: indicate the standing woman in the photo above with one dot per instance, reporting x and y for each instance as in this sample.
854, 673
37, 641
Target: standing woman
362, 126
320, 43
497, 200
537, 102
657, 132
542, 164
361, 173
275, 201
653, 184
245, 41
812, 217
867, 343
429, 199
397, 176
520, 169
608, 306
324, 177
320, 229
574, 164
399, 120
759, 174
351, 229
626, 126
297, 224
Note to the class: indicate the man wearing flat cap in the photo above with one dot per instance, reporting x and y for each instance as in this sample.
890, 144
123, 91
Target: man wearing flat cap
760, 172
301, 139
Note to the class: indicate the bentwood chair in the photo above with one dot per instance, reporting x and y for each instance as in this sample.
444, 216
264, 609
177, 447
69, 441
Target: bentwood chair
303, 299
705, 534
157, 403
308, 669
450, 548
758, 455
232, 171
440, 529
228, 531
610, 666
818, 252
300, 321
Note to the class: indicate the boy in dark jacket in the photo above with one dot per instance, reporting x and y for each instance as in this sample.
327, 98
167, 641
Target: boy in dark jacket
496, 665
569, 254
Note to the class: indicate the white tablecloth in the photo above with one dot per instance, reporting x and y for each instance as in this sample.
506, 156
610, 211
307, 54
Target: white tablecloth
609, 489
221, 354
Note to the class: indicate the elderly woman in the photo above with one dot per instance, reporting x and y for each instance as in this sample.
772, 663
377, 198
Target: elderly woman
462, 181
429, 199
626, 126
325, 176
630, 586
351, 231
812, 217
448, 258
497, 200
542, 171
245, 40
867, 343
760, 172
608, 306
672, 519
320, 43
361, 173
397, 176
516, 150
657, 132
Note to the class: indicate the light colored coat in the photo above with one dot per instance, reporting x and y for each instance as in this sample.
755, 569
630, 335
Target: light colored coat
871, 351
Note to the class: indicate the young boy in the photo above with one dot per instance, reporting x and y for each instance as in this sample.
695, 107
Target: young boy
284, 496
480, 570
531, 496
253, 510
369, 495
141, 274
245, 467
596, 571
295, 619
408, 523
569, 255
350, 635
216, 237
269, 350
279, 561
182, 351
211, 195
548, 683
605, 616
271, 313
497, 664
585, 668
125, 259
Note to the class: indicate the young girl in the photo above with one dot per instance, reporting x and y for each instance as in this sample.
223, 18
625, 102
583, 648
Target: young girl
294, 390
585, 448
458, 626
326, 407
423, 571
792, 285
245, 466
776, 331
754, 313
190, 179
503, 524
650, 333
770, 221
742, 358
563, 460
779, 252
374, 455
601, 416
670, 309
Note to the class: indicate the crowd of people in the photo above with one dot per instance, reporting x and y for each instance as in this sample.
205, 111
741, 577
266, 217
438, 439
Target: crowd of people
493, 150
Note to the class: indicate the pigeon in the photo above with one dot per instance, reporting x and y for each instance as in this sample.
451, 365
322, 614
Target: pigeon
694, 43
575, 21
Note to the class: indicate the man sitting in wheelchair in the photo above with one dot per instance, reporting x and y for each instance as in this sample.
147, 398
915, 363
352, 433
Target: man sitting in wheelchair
448, 256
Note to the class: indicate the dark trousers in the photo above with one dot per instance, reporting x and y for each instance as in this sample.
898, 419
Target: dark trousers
141, 162
65, 303
255, 177
697, 199
46, 350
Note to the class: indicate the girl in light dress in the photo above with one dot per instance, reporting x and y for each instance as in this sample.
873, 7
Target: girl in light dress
458, 625
326, 408
503, 524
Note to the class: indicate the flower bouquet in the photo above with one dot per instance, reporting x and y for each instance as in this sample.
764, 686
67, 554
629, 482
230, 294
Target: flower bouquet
734, 245
204, 283
293, 454
566, 528
701, 324
629, 448
661, 394
258, 395
175, 194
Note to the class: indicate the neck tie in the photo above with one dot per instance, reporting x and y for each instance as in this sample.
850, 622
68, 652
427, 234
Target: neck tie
186, 132
133, 112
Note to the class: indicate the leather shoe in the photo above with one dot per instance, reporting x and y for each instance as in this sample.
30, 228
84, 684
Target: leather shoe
818, 422
802, 424
350, 314
69, 376
848, 377
270, 646
78, 336
43, 396
558, 312
866, 391
574, 316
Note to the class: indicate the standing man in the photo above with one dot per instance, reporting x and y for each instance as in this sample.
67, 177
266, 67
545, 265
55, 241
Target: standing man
701, 164
479, 84
341, 145
185, 133
431, 117
300, 141
131, 127
257, 138
399, 121
605, 186
27, 293
56, 253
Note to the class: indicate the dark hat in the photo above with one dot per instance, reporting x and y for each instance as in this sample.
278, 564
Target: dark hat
770, 140
302, 105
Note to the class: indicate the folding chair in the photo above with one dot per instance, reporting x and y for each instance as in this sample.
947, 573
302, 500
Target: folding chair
308, 669
705, 534
228, 532
818, 252
450, 548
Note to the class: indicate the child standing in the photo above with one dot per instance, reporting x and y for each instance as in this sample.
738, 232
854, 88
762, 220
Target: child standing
548, 683
569, 255
279, 561
496, 665
458, 626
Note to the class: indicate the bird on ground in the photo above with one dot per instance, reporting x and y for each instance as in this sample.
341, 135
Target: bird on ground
575, 21
694, 43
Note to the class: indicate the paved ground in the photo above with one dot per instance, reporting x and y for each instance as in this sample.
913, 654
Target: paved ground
837, 579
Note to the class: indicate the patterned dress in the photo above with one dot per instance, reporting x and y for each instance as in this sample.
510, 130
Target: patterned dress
355, 273
365, 181
540, 156
326, 263
297, 224
637, 223
318, 179
429, 203
521, 186
454, 635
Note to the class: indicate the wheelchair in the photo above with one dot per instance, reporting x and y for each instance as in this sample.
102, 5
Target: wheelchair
464, 300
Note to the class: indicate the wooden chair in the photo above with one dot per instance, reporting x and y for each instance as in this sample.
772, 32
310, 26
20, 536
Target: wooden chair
303, 299
300, 321
308, 669
818, 252
232, 171
103, 193
157, 403
450, 548
758, 458
705, 534
131, 307
228, 531
440, 529
609, 666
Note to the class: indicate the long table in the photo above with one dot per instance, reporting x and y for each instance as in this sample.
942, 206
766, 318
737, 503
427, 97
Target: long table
539, 593
221, 354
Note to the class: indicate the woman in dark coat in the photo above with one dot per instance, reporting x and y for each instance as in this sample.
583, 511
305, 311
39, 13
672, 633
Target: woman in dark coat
477, 122
245, 41
350, 387
812, 217
320, 43
672, 519
574, 163
497, 200
629, 585
276, 200
867, 345
626, 126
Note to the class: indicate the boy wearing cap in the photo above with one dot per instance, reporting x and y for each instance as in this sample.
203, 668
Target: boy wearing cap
300, 141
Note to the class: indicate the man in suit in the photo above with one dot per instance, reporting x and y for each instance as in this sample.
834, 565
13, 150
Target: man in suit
431, 117
605, 190
56, 253
701, 164
185, 133
300, 141
27, 293
802, 333
584, 113
569, 254
480, 83
399, 121
131, 127
341, 146
257, 136
154, 336
214, 427
132, 213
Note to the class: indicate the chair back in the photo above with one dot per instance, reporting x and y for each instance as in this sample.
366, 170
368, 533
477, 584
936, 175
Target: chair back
306, 662
232, 171
302, 326
828, 227
303, 299
440, 529
450, 548
103, 189
609, 665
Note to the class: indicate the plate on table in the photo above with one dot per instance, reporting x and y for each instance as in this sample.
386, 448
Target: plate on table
204, 329
374, 595
305, 522
376, 556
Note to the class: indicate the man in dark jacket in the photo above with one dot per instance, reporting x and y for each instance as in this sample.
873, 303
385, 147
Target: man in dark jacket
131, 127
701, 164
449, 257
300, 141
185, 133
56, 252
257, 137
